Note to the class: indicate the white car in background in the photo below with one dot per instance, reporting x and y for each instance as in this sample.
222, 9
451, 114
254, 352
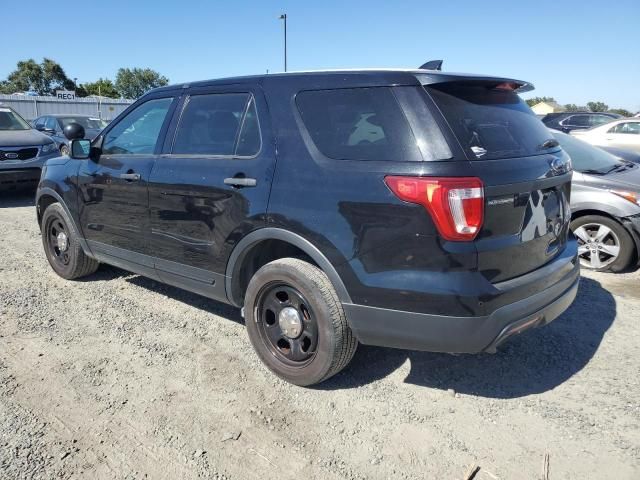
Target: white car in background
623, 133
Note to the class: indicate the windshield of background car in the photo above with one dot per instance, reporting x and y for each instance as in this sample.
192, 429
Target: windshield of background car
9, 120
86, 122
586, 158
490, 121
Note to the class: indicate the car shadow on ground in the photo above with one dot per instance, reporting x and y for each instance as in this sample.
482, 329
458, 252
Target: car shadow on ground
17, 198
533, 362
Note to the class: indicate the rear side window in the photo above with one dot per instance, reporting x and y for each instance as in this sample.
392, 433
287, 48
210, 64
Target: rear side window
489, 122
221, 124
358, 124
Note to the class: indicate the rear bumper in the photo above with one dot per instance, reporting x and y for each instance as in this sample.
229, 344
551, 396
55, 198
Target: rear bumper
473, 334
13, 179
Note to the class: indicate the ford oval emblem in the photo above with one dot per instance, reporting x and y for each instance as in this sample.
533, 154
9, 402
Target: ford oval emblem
559, 165
11, 155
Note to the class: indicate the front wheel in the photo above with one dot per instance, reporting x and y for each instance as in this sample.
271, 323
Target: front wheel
603, 244
61, 245
64, 150
296, 323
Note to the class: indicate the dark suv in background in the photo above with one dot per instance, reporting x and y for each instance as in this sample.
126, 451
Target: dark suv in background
53, 125
411, 209
567, 121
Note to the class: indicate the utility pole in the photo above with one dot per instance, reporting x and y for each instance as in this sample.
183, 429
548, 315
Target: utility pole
284, 17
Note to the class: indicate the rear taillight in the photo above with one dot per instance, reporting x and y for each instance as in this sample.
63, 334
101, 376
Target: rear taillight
455, 204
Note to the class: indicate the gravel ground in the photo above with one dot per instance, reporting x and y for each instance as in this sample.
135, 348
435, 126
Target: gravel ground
121, 377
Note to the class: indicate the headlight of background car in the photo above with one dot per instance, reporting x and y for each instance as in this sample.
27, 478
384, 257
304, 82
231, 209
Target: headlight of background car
631, 196
48, 148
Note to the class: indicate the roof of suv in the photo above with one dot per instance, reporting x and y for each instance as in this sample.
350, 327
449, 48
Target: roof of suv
376, 76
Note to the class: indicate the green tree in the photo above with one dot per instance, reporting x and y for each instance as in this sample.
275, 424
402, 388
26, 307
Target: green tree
44, 78
572, 107
622, 111
135, 82
597, 106
103, 87
535, 100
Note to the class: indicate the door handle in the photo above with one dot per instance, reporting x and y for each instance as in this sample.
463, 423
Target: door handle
240, 182
130, 177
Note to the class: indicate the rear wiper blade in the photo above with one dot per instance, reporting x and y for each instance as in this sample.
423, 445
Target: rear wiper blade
550, 143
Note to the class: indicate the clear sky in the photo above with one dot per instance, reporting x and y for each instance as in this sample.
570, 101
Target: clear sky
573, 50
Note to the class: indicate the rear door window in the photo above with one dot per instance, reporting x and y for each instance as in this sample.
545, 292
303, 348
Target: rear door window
600, 120
220, 124
489, 120
632, 128
358, 124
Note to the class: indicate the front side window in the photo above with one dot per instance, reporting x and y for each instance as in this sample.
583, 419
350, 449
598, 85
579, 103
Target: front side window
219, 124
50, 123
599, 120
358, 124
138, 132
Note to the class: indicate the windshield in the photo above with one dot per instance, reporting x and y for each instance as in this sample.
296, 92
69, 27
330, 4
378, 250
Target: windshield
10, 120
586, 158
86, 122
491, 121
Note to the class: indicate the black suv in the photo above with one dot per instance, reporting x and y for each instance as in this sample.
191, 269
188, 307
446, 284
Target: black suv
412, 209
568, 121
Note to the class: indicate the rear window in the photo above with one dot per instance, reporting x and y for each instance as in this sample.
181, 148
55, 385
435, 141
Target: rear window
490, 123
358, 124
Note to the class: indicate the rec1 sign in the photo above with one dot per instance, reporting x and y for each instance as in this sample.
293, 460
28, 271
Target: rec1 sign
66, 94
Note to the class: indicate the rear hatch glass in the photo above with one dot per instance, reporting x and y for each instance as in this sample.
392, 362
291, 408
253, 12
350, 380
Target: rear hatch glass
526, 176
490, 120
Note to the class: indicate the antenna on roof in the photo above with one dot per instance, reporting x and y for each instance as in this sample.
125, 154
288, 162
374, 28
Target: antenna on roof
432, 65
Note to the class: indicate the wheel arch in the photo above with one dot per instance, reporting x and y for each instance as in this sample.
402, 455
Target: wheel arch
47, 196
246, 258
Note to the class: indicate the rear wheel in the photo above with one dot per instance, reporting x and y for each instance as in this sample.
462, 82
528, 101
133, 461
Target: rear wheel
296, 323
603, 244
60, 241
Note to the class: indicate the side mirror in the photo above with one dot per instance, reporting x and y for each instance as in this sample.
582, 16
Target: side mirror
48, 131
74, 131
80, 148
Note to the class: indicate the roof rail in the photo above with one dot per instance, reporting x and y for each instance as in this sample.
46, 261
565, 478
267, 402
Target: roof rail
432, 65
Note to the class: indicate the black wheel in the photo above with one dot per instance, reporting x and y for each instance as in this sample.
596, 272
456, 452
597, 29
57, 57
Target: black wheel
60, 241
296, 323
64, 150
603, 244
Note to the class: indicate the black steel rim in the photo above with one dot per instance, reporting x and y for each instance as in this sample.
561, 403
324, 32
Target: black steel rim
56, 226
295, 352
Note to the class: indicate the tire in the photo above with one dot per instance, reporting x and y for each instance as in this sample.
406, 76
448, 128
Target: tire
64, 253
291, 283
605, 236
64, 150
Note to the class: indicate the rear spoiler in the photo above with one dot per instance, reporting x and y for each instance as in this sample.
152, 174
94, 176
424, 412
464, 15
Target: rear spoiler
518, 86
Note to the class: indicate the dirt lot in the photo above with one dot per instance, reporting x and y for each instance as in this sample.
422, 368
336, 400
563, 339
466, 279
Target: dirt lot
121, 377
